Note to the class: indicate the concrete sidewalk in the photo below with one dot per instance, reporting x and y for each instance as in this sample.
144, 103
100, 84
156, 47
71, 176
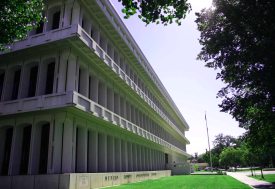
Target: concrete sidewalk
253, 183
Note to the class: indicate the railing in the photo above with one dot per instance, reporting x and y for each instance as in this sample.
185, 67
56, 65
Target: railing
77, 30
74, 99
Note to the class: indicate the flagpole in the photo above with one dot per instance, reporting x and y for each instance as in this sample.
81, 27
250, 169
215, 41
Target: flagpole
208, 143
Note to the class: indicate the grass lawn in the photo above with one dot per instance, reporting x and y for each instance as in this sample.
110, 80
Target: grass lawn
268, 178
188, 182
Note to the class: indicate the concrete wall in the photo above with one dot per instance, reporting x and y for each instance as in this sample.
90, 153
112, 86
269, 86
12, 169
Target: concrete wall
77, 180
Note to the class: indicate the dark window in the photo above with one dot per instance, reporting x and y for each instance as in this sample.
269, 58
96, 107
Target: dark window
2, 76
50, 78
79, 80
56, 19
7, 151
44, 146
40, 27
76, 154
166, 158
16, 80
32, 81
25, 150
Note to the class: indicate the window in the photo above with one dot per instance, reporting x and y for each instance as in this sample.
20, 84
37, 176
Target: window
55, 20
40, 27
32, 81
2, 77
7, 151
24, 163
50, 78
16, 81
44, 146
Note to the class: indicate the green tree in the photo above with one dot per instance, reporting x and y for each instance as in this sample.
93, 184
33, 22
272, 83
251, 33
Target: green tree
222, 142
240, 46
157, 11
231, 157
17, 18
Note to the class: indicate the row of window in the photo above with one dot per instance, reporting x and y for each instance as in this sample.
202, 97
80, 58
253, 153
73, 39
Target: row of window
13, 79
32, 83
23, 152
104, 146
53, 17
100, 93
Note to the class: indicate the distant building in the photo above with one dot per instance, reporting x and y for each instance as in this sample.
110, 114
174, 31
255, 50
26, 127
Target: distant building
81, 107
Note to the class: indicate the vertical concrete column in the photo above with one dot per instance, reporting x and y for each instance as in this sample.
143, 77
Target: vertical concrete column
143, 158
62, 75
150, 159
139, 165
122, 107
130, 156
81, 149
134, 150
132, 114
110, 154
146, 159
67, 13
137, 117
102, 95
154, 160
56, 145
110, 99
68, 147
16, 151
102, 152
124, 155
75, 14
92, 151
71, 73
24, 81
118, 155
94, 89
128, 111
117, 104
83, 82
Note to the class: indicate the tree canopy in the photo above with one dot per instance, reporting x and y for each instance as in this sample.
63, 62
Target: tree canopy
238, 40
17, 17
157, 11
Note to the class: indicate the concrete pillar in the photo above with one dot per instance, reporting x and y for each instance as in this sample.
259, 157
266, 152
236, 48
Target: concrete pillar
110, 154
68, 149
92, 151
75, 14
81, 150
102, 152
130, 156
56, 145
132, 114
118, 155
94, 89
102, 95
16, 151
128, 111
143, 158
71, 73
122, 107
124, 155
139, 162
62, 75
110, 99
134, 151
117, 104
83, 81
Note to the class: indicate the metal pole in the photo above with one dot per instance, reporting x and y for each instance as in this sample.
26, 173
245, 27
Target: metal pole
208, 143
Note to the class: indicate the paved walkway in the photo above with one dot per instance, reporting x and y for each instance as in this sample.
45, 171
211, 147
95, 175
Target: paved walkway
253, 183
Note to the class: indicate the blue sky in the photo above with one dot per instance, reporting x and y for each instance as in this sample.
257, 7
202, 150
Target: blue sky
172, 52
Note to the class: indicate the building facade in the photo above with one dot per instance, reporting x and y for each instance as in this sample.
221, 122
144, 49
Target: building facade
80, 100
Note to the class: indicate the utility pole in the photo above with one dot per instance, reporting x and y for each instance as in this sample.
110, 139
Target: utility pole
208, 143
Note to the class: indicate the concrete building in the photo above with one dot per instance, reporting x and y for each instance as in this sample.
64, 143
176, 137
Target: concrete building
81, 107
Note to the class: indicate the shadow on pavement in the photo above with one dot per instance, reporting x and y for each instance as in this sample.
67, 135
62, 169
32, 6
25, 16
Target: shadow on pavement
265, 186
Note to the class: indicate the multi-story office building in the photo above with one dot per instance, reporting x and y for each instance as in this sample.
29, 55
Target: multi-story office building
81, 106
